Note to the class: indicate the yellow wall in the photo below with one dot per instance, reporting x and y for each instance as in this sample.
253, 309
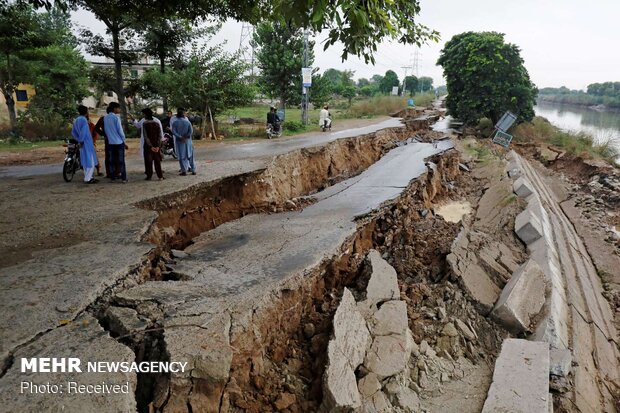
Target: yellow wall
29, 90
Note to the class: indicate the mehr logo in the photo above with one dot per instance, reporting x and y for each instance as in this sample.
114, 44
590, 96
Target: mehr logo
51, 365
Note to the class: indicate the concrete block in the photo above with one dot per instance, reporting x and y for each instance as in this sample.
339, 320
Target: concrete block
522, 298
522, 187
528, 227
520, 379
383, 283
561, 361
391, 318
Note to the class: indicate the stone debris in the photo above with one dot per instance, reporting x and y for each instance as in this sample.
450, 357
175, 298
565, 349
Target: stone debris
522, 298
380, 352
345, 354
520, 379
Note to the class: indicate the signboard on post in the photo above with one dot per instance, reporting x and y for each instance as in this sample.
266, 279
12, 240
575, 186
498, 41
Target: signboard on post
395, 91
506, 121
502, 138
306, 76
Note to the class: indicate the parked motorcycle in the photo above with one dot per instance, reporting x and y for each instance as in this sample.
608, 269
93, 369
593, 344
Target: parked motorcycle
274, 132
168, 146
72, 159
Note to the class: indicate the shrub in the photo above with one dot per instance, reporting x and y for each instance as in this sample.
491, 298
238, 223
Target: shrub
293, 126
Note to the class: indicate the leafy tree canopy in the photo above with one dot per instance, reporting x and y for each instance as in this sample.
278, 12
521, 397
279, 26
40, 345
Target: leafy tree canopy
388, 82
411, 84
280, 59
426, 83
359, 26
485, 77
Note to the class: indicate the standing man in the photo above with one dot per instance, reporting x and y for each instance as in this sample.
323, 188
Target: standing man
165, 122
81, 133
182, 131
99, 129
151, 136
116, 139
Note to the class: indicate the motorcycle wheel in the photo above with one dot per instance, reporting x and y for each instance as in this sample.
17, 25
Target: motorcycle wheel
68, 170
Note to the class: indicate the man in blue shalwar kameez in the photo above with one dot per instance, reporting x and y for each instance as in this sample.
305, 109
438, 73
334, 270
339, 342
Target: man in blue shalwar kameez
81, 133
182, 132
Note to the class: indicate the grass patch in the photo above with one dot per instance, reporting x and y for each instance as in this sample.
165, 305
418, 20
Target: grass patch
581, 144
510, 199
385, 105
8, 145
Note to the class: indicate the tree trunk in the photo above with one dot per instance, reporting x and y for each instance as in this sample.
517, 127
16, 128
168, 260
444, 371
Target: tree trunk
8, 95
162, 69
118, 72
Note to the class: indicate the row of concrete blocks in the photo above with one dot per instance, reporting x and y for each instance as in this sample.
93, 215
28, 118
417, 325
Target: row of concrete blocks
535, 294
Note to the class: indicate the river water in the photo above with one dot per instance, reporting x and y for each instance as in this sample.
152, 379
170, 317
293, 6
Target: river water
601, 125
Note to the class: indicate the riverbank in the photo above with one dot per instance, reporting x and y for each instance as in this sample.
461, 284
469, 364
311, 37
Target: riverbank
602, 103
574, 143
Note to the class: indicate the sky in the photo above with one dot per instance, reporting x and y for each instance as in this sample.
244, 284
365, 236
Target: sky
563, 42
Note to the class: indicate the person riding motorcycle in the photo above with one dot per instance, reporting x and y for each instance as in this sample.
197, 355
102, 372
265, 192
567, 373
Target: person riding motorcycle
273, 119
325, 119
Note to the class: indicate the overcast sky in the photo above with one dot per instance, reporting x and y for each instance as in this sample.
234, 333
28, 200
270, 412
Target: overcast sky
564, 42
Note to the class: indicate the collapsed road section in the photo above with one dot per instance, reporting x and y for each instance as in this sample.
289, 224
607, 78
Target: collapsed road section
374, 273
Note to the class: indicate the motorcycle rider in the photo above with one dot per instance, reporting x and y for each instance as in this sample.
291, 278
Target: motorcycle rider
325, 121
273, 119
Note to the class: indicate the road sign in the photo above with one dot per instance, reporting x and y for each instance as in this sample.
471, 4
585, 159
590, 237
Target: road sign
502, 138
306, 76
506, 121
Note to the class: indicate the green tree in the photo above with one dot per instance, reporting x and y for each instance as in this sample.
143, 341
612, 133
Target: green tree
164, 38
410, 84
485, 77
20, 31
388, 82
58, 74
209, 82
426, 83
320, 92
359, 26
363, 82
376, 79
280, 59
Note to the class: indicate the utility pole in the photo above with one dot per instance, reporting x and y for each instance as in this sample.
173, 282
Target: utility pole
405, 81
305, 90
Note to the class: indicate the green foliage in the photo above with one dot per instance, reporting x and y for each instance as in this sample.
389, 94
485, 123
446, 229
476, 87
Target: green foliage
485, 77
40, 49
426, 84
358, 26
20, 30
209, 79
58, 74
320, 92
607, 94
377, 106
410, 84
293, 126
280, 59
388, 82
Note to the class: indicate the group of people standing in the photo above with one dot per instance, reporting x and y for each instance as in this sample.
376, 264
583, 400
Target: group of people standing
151, 140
